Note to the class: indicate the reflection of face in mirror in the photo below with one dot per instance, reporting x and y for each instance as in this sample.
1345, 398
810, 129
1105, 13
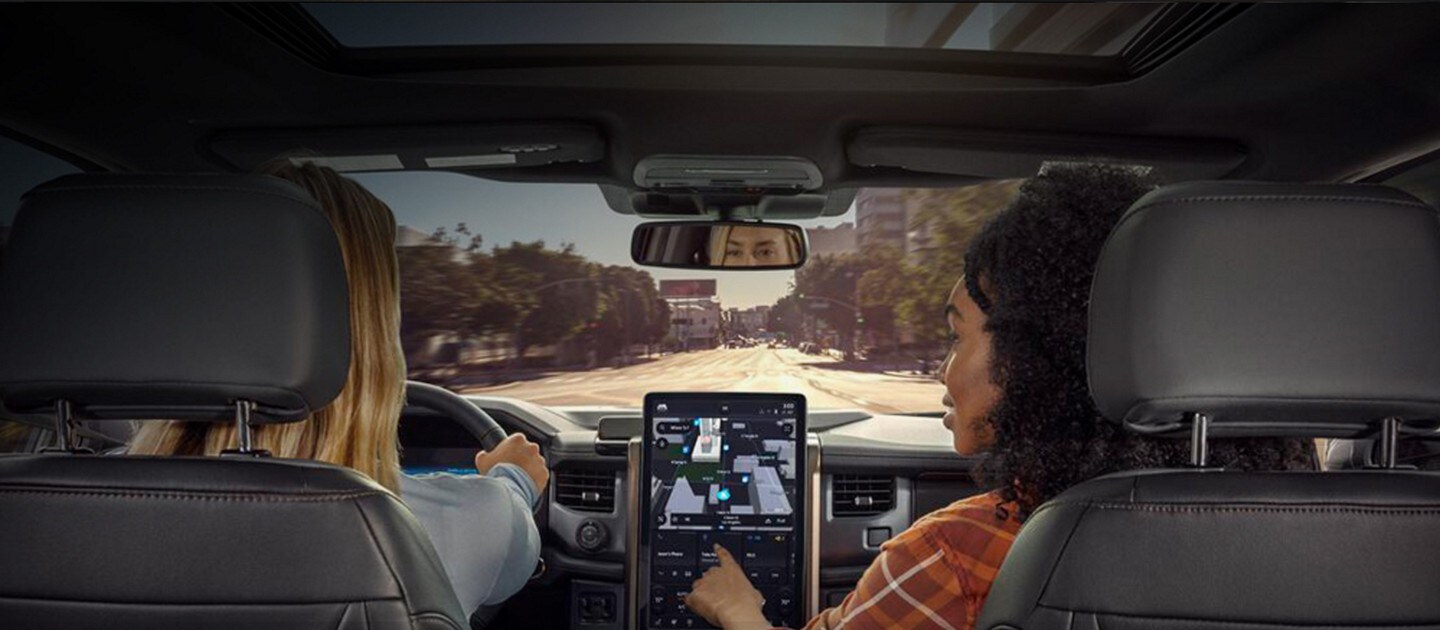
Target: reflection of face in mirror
752, 246
718, 245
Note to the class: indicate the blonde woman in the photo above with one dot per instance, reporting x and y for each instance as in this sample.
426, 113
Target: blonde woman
752, 246
482, 526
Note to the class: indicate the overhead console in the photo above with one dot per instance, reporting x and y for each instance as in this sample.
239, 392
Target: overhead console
443, 147
727, 174
729, 187
999, 155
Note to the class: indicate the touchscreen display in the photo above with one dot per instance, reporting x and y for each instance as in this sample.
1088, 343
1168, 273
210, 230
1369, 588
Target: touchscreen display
726, 469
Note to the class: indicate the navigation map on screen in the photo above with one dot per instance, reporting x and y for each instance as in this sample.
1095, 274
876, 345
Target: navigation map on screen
726, 471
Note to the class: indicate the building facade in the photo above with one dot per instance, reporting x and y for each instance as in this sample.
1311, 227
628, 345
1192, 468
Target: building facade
747, 322
830, 241
880, 218
695, 322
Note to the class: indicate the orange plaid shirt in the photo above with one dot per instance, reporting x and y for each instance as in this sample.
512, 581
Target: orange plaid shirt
935, 574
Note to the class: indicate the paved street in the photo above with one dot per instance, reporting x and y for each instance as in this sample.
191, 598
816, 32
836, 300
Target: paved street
744, 369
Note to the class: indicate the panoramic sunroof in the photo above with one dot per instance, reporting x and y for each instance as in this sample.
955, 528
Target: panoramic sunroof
1057, 28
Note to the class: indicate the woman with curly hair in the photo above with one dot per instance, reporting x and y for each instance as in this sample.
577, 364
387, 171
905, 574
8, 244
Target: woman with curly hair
1015, 388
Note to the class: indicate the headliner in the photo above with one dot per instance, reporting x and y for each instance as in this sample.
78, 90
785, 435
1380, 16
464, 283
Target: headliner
1312, 92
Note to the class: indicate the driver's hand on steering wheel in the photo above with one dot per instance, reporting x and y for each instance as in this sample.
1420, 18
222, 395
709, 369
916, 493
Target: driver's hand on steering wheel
519, 451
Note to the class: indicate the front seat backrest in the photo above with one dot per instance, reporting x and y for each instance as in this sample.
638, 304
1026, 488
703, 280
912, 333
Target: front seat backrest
207, 298
1247, 309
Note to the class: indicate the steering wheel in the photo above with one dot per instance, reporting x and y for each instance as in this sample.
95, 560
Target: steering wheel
454, 406
480, 425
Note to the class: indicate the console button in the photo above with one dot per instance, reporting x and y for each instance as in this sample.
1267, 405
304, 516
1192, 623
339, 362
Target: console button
876, 536
592, 535
785, 602
597, 607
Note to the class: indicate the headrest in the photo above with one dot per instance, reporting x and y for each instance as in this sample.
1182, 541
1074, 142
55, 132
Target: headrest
1276, 309
172, 296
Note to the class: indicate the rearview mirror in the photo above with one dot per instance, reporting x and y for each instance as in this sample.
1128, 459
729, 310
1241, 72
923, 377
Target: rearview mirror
718, 245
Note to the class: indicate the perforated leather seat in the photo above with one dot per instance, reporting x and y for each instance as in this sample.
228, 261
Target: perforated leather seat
181, 297
1243, 309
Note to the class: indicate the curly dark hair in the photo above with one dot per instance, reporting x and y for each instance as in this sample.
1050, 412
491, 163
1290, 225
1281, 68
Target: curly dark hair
1029, 270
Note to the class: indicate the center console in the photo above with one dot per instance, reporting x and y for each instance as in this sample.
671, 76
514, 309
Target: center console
733, 469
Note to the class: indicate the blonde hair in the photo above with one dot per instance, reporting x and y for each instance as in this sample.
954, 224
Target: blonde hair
720, 240
357, 429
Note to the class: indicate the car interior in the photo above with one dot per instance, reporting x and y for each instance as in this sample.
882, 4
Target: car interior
1284, 281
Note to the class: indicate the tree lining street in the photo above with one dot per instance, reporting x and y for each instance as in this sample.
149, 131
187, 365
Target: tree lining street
819, 378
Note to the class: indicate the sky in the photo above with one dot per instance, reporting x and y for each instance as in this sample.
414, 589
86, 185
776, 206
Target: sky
502, 212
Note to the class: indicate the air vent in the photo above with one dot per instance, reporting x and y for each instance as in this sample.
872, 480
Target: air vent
861, 495
585, 490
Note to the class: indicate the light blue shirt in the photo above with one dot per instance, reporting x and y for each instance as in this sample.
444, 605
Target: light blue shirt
483, 527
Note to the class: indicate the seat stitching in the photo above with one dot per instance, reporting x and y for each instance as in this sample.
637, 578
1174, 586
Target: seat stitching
375, 541
1249, 508
1338, 198
1060, 554
1097, 614
344, 611
101, 602
433, 615
192, 496
112, 381
1142, 209
252, 191
1325, 399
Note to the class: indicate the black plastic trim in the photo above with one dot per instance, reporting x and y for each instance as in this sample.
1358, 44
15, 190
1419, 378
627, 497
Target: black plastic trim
73, 159
295, 30
582, 566
1173, 30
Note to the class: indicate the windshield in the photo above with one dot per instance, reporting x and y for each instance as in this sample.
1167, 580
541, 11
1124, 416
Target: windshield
527, 290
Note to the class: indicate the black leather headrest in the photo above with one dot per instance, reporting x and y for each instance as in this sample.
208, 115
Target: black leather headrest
1277, 309
172, 296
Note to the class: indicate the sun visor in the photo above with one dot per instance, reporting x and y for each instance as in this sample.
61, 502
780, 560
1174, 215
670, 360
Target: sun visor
999, 155
447, 148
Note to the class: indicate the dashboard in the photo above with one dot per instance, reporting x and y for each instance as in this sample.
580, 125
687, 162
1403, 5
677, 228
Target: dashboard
877, 474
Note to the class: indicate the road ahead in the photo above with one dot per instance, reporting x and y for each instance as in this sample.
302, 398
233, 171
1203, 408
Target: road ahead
745, 369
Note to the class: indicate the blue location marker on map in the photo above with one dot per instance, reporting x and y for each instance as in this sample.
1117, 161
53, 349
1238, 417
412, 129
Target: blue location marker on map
697, 422
723, 494
744, 478
685, 449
